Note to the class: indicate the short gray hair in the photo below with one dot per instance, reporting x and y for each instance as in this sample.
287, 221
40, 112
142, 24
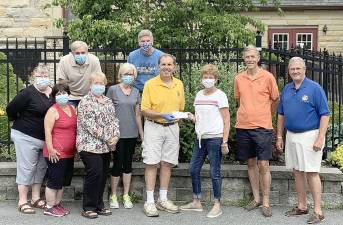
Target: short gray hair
126, 67
143, 33
78, 44
165, 55
94, 75
296, 59
250, 48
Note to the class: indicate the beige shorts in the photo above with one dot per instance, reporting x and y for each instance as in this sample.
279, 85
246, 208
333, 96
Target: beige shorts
299, 153
161, 143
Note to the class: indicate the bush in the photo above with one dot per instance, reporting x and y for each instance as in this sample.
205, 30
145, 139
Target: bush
192, 82
14, 84
334, 135
337, 157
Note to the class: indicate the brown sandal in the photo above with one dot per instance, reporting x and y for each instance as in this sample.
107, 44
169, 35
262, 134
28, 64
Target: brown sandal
296, 212
89, 214
37, 204
26, 210
104, 212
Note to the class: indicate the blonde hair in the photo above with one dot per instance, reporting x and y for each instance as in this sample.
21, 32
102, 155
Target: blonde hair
143, 33
95, 75
78, 44
251, 48
210, 69
127, 67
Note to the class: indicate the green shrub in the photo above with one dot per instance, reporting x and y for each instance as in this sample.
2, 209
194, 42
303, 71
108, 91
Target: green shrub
334, 133
192, 82
6, 94
337, 157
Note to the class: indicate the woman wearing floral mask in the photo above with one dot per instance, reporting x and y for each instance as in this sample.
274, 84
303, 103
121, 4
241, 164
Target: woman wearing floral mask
27, 110
211, 104
59, 150
97, 135
126, 99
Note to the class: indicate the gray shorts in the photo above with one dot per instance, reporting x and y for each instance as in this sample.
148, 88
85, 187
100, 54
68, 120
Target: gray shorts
31, 165
161, 143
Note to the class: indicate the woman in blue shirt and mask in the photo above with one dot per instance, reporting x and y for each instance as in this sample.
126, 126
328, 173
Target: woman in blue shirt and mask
126, 99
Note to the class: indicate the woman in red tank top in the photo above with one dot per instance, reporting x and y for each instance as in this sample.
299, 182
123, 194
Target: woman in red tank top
59, 149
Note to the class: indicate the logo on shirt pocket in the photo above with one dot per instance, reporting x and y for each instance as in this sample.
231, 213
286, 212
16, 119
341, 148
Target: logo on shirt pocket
304, 98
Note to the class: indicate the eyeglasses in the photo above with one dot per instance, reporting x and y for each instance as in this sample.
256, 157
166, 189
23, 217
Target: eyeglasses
79, 53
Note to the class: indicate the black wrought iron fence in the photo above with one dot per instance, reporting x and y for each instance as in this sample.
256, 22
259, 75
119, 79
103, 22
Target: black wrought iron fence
18, 57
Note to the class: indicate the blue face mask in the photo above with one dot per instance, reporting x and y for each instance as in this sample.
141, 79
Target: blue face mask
62, 99
80, 59
146, 46
98, 89
127, 79
42, 82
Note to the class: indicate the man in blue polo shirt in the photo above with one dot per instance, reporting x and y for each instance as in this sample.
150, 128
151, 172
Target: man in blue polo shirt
145, 59
304, 112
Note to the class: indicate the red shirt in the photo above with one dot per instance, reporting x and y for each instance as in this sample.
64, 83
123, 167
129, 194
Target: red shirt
63, 134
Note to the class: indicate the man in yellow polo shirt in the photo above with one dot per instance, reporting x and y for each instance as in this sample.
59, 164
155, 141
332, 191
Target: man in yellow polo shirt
162, 95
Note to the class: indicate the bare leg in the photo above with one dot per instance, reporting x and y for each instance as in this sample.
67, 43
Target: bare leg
300, 187
316, 189
265, 180
23, 190
254, 178
165, 172
114, 184
51, 196
36, 192
59, 195
126, 182
150, 177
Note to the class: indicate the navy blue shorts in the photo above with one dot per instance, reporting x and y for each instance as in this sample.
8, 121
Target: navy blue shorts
253, 143
60, 174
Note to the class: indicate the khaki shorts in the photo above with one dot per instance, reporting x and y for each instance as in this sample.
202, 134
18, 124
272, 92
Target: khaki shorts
299, 153
161, 143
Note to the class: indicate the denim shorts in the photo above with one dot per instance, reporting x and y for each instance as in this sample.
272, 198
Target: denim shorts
253, 143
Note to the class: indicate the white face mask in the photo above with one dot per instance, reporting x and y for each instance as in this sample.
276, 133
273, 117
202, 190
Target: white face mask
208, 83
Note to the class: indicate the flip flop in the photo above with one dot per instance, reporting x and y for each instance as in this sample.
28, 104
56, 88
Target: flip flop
37, 204
26, 210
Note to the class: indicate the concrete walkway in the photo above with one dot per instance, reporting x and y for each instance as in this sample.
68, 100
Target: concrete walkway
9, 215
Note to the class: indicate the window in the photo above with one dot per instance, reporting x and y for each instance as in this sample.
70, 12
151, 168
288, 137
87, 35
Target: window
304, 40
292, 37
280, 40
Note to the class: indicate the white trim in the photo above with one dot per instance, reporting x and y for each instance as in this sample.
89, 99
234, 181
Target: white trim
296, 38
282, 41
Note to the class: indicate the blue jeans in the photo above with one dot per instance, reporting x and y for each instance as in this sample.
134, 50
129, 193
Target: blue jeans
210, 147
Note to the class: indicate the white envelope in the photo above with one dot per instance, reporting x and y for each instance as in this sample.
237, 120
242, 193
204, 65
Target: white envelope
180, 115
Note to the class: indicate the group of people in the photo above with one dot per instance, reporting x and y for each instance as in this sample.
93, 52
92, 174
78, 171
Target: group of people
76, 115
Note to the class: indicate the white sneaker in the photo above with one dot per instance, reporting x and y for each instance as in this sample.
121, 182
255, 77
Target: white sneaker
127, 202
150, 210
167, 206
114, 202
215, 212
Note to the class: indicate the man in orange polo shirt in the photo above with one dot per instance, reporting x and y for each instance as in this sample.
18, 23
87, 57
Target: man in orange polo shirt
257, 94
